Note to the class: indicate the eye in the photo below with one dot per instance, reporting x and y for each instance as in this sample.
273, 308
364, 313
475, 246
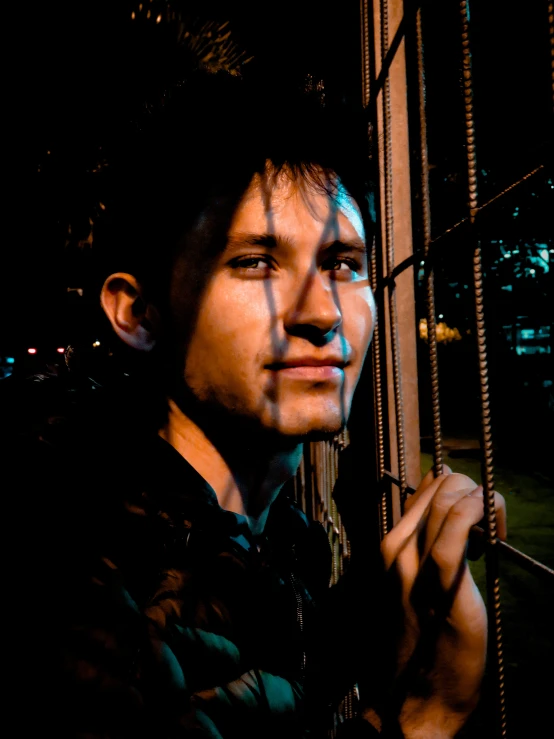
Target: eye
343, 267
254, 265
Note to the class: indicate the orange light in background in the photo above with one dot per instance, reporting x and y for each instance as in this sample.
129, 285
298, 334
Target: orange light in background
443, 332
31, 351
60, 350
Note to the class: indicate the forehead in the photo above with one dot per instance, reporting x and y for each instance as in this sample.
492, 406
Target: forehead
284, 202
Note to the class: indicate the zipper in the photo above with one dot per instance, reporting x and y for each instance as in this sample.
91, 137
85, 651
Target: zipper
299, 617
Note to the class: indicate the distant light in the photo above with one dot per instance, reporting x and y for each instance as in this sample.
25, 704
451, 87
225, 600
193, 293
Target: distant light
531, 271
31, 351
10, 360
441, 315
60, 350
96, 343
158, 19
422, 264
508, 255
457, 295
544, 255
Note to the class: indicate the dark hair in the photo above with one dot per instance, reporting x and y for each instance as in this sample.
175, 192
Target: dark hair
197, 150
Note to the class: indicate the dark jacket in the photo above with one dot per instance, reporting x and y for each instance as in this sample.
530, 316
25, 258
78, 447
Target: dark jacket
137, 606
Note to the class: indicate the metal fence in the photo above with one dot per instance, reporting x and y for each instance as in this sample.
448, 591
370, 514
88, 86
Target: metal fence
393, 89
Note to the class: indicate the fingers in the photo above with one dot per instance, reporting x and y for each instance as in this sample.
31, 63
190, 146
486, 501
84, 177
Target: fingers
448, 548
424, 484
450, 491
415, 515
447, 545
437, 522
409, 523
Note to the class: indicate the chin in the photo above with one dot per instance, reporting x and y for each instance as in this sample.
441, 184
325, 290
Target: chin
316, 427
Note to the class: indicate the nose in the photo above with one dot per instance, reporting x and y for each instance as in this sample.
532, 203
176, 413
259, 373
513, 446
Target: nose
315, 310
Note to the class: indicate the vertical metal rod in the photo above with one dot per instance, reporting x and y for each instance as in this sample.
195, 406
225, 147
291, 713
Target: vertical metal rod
430, 287
384, 518
493, 587
551, 29
376, 354
364, 24
389, 235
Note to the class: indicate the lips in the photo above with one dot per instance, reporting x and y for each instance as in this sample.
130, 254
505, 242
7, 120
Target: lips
292, 363
312, 369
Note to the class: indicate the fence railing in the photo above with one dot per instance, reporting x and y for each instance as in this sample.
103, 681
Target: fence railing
393, 64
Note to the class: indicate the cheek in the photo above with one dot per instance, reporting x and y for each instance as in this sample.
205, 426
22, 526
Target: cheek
359, 312
232, 327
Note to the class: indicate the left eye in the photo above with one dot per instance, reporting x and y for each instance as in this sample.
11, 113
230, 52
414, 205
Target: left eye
252, 263
342, 265
255, 266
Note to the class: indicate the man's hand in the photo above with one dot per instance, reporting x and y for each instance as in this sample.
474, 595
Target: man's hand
443, 623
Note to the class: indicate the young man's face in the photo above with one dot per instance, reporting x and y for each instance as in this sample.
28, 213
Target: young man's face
287, 315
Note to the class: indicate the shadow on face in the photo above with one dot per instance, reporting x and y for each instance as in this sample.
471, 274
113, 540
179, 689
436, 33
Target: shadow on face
271, 308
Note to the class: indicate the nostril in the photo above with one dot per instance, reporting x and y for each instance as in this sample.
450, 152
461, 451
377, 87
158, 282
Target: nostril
315, 335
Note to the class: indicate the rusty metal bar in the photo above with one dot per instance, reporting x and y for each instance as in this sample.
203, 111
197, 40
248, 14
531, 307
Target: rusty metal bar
430, 287
394, 350
487, 475
480, 208
551, 30
389, 241
520, 558
385, 517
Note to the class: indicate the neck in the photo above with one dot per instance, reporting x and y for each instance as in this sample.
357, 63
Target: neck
245, 471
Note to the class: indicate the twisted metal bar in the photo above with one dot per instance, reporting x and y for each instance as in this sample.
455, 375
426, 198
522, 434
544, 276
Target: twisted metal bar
384, 523
395, 350
364, 28
480, 208
493, 587
551, 29
430, 287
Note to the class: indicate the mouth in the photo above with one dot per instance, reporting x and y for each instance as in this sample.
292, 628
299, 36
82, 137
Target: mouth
310, 368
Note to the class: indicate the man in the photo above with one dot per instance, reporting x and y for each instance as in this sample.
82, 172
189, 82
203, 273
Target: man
178, 593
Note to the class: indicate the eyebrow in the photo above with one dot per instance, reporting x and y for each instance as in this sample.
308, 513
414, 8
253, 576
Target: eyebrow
274, 241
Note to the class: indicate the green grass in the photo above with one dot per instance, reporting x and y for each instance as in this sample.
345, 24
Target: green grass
527, 602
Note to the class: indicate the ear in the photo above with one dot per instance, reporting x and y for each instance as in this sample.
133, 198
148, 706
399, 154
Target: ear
134, 321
